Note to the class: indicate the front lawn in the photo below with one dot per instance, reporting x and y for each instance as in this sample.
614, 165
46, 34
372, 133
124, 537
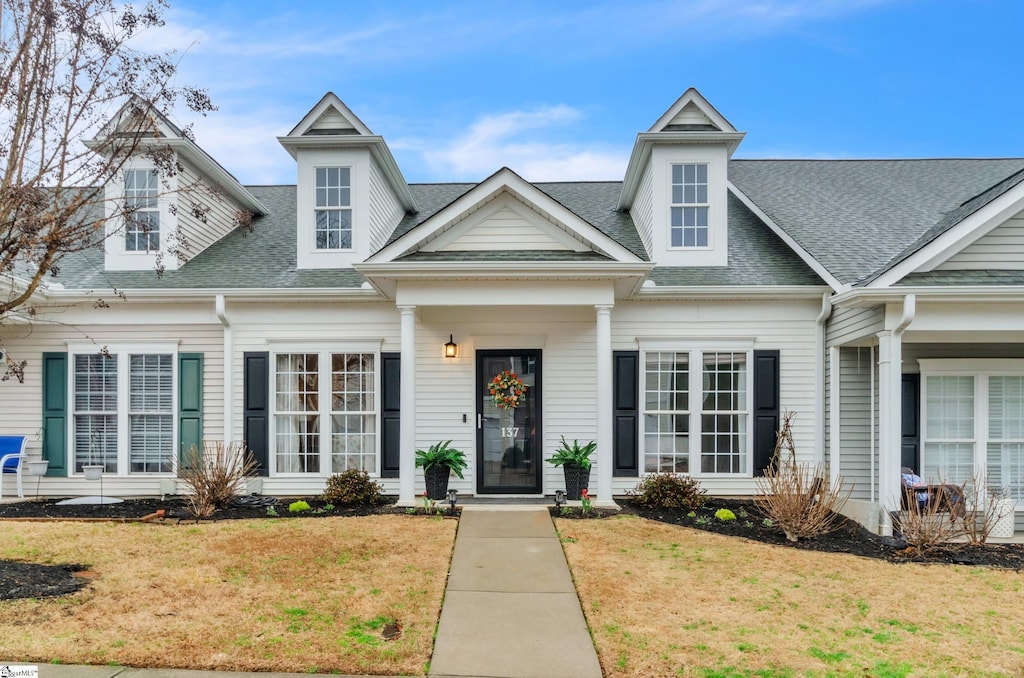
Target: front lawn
265, 595
664, 600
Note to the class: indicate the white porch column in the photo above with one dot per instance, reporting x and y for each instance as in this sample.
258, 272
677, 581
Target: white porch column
890, 408
605, 415
407, 422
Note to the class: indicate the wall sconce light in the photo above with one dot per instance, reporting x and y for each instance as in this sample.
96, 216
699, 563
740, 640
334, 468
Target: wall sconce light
451, 349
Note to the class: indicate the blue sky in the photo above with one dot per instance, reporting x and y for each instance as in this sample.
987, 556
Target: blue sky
559, 90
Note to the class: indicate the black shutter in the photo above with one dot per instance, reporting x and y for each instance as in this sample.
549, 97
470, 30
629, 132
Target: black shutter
257, 400
766, 408
55, 413
911, 428
390, 412
625, 404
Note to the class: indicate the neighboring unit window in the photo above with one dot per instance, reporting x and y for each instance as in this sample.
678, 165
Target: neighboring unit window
142, 225
949, 429
666, 413
147, 413
95, 405
325, 404
333, 208
150, 414
724, 418
689, 205
1006, 435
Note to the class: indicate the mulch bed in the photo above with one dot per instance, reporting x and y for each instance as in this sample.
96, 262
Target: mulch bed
28, 580
849, 537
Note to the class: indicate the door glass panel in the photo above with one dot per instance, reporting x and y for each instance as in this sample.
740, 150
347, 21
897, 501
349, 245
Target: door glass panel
508, 436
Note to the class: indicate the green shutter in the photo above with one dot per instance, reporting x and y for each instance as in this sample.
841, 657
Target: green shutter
55, 413
190, 403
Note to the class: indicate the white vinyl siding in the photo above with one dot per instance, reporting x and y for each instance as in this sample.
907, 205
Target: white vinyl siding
643, 209
217, 217
1000, 248
505, 229
853, 324
384, 208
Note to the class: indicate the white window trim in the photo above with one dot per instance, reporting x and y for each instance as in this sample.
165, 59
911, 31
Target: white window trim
980, 369
707, 204
122, 352
695, 366
324, 352
350, 207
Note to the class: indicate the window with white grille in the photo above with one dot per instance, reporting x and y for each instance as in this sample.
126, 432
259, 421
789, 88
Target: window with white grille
142, 224
333, 213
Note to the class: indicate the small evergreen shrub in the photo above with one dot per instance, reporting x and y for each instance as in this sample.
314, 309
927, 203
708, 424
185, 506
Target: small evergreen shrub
669, 490
299, 506
352, 488
725, 515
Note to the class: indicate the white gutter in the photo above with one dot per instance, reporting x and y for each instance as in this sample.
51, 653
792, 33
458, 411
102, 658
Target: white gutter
220, 305
868, 296
819, 376
731, 292
171, 295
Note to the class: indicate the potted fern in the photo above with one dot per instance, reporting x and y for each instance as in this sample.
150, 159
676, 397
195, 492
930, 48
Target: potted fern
575, 462
438, 462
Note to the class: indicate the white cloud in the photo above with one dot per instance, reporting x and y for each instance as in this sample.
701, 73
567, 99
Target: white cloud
246, 145
502, 140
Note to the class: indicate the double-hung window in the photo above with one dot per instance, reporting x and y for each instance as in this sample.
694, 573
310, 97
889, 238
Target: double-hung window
333, 212
974, 422
696, 411
123, 411
325, 418
689, 207
142, 224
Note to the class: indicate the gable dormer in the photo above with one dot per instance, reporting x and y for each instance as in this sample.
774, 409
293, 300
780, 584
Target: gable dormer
676, 184
161, 213
350, 193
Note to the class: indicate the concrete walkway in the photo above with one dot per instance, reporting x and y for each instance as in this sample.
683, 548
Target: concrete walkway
510, 608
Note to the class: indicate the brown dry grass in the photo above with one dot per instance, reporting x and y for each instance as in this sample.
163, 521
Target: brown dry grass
268, 595
663, 600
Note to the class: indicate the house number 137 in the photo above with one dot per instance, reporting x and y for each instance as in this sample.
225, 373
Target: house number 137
509, 431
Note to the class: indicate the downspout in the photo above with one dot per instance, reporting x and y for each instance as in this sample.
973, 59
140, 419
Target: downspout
872, 418
819, 376
229, 428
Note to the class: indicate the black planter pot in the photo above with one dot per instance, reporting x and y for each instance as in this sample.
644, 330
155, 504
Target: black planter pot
577, 479
437, 481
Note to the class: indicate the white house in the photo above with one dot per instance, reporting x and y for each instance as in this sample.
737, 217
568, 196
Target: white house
671, 316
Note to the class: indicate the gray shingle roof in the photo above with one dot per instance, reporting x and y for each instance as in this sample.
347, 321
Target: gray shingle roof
756, 257
970, 278
857, 216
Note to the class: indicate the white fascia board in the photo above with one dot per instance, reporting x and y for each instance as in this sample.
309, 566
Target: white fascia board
329, 100
378, 149
523, 190
956, 239
760, 292
173, 296
220, 176
645, 142
461, 270
815, 265
691, 95
864, 296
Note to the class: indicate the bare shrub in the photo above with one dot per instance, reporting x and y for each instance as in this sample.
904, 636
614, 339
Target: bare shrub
214, 476
669, 490
930, 523
796, 496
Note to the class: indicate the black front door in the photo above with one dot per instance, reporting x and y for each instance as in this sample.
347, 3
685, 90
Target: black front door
508, 437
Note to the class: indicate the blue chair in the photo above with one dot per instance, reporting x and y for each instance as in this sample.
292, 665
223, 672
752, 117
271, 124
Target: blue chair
12, 459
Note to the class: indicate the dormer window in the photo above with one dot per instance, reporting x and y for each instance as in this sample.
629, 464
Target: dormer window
689, 226
142, 226
333, 208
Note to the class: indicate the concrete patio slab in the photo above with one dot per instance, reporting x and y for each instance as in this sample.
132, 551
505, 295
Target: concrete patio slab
509, 565
525, 635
